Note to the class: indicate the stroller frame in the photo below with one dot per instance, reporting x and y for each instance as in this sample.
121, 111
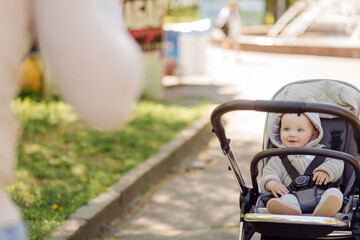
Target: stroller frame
308, 227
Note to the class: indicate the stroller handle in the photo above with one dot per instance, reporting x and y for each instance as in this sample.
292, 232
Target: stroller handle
279, 107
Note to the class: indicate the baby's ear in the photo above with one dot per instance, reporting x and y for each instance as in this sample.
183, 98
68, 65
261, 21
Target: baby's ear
315, 135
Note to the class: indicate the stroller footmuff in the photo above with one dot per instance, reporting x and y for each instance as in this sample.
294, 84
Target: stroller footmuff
339, 115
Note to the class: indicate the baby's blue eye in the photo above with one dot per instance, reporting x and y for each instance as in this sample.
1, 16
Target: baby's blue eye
286, 129
300, 130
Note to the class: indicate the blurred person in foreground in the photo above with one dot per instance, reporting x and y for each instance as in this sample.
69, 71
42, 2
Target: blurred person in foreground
229, 21
95, 61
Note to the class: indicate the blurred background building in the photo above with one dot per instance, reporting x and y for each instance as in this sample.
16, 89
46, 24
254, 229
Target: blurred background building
173, 35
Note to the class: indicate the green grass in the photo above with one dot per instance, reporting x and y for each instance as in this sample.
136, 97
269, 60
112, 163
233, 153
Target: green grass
182, 14
62, 163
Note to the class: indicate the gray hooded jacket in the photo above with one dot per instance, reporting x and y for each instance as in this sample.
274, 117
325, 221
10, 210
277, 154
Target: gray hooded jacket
274, 170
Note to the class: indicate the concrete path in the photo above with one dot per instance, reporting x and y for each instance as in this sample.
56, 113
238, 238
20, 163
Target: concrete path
202, 203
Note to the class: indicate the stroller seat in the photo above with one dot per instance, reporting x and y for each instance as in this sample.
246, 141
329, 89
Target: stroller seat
337, 136
342, 140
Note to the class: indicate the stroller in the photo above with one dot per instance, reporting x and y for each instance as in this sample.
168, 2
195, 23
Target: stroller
338, 104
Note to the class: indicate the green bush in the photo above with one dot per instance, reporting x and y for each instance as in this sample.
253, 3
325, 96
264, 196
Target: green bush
181, 13
63, 163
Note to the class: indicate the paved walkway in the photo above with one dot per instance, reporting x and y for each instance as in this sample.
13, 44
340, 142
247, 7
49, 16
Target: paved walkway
202, 203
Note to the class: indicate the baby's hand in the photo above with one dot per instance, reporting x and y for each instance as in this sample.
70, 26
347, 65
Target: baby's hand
276, 188
321, 177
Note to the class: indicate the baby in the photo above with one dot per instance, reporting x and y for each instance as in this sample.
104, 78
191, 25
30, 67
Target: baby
304, 130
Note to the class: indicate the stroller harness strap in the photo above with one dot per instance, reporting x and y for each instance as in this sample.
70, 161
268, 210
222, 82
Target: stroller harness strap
300, 181
302, 185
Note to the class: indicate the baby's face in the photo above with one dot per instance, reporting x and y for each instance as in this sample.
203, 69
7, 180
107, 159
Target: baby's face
296, 131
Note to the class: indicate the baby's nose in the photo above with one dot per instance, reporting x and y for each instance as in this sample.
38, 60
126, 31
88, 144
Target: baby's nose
292, 133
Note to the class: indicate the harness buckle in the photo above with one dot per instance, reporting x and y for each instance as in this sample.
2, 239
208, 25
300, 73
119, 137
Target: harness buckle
302, 181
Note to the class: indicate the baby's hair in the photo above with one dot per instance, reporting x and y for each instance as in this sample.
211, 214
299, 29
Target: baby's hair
298, 114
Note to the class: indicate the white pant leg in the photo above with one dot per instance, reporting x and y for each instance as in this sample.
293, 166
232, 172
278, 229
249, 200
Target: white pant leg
15, 34
94, 59
291, 200
331, 191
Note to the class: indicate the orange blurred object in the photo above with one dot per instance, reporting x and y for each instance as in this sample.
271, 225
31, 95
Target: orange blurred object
31, 75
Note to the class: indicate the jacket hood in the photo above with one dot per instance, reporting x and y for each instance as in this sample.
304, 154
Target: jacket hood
274, 132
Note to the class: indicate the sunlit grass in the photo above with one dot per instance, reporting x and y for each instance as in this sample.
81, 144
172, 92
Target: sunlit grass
62, 163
